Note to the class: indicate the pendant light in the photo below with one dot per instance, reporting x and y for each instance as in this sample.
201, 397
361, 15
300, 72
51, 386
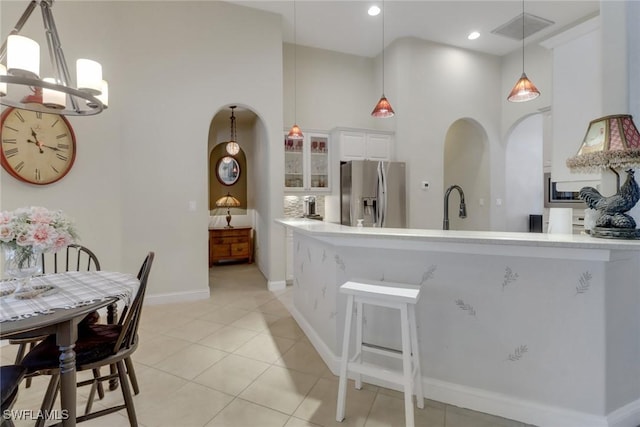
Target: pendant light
233, 147
383, 107
295, 133
524, 90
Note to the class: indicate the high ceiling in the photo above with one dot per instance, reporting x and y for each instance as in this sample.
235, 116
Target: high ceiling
344, 26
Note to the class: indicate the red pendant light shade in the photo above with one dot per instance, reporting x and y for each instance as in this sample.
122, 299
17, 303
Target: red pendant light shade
524, 90
295, 133
383, 108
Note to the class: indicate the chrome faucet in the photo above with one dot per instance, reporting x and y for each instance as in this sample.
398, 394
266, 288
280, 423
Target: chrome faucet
462, 212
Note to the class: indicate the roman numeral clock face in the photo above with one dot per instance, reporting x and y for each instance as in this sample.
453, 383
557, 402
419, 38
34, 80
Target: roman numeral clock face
37, 148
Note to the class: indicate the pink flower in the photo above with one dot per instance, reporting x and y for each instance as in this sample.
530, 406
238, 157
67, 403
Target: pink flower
5, 217
40, 215
6, 233
42, 236
61, 241
23, 240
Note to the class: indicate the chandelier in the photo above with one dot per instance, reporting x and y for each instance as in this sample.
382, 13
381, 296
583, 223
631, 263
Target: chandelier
233, 147
22, 87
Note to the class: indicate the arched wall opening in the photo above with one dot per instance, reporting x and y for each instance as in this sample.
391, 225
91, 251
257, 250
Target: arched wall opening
466, 164
252, 137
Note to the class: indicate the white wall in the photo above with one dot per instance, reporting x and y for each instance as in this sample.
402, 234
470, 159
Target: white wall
333, 89
524, 173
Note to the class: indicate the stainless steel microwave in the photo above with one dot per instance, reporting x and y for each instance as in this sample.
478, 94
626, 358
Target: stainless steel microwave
553, 198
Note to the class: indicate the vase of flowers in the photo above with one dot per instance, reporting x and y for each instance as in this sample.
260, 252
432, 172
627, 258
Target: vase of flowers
27, 233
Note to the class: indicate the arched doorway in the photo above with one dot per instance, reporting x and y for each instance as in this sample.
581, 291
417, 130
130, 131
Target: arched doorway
243, 189
466, 163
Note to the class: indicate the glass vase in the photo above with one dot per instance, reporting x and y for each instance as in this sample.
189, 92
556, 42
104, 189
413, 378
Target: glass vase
22, 263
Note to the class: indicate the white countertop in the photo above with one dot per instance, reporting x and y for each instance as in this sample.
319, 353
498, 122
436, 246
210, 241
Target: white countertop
577, 241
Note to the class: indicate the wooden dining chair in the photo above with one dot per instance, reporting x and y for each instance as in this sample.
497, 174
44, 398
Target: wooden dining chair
10, 377
97, 345
73, 258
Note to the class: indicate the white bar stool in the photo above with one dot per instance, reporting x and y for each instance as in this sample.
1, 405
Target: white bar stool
385, 294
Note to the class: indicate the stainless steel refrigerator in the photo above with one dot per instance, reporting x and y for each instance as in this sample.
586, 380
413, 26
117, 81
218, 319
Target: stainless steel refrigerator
373, 191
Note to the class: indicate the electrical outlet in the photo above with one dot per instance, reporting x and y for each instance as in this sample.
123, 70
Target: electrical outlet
424, 185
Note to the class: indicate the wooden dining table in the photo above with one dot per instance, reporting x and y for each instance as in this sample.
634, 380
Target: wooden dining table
67, 298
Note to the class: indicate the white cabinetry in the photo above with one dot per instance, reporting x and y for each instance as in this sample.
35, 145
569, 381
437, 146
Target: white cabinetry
577, 63
306, 163
358, 144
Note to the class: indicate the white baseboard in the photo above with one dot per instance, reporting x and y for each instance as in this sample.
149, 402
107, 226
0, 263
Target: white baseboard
488, 402
276, 285
174, 297
331, 360
627, 416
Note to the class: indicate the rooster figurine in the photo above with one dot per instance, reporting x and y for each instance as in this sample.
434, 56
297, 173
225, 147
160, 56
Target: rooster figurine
612, 209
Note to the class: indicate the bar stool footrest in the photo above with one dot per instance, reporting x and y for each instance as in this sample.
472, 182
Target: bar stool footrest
383, 351
375, 371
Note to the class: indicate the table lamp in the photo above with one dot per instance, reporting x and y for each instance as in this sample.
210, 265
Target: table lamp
228, 202
611, 142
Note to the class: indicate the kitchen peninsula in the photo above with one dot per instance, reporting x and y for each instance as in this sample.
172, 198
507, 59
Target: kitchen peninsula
541, 328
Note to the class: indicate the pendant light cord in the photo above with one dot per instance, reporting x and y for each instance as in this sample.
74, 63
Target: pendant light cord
295, 68
523, 36
383, 47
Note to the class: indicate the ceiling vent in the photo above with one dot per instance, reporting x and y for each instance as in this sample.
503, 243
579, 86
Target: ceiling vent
513, 28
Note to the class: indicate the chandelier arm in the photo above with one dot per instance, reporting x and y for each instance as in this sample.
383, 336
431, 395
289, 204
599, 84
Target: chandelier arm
26, 81
18, 27
58, 62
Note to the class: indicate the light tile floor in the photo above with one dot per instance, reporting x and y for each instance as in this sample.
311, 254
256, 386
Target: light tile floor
240, 359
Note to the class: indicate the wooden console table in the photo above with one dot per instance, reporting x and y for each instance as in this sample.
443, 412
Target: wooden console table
230, 244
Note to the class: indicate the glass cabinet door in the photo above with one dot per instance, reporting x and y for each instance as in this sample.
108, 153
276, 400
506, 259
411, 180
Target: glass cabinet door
319, 162
293, 164
306, 163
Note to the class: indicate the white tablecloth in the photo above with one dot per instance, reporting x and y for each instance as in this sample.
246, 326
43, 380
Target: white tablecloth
70, 289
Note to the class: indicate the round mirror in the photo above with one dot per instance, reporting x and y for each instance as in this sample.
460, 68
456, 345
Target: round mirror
228, 170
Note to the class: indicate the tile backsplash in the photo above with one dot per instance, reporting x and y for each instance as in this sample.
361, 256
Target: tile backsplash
294, 206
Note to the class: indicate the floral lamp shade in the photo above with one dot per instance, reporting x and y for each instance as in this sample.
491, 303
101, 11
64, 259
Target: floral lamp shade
610, 142
228, 202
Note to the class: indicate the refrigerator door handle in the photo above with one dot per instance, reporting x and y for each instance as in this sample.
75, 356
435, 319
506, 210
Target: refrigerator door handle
381, 196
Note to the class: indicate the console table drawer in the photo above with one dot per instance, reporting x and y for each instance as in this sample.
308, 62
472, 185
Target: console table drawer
229, 240
230, 244
240, 249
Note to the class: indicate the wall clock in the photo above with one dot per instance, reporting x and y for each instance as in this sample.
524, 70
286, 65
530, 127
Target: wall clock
38, 148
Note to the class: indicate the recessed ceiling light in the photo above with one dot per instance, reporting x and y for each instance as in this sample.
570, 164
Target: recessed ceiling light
374, 11
473, 35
